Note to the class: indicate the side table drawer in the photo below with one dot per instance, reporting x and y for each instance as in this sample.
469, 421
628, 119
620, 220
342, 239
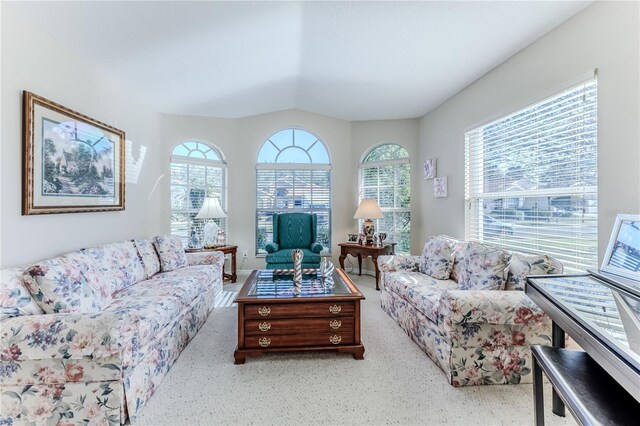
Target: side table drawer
293, 340
269, 327
299, 310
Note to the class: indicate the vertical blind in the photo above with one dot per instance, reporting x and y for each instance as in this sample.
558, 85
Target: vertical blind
287, 188
532, 179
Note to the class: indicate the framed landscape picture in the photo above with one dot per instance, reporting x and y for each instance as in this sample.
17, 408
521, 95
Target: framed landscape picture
71, 162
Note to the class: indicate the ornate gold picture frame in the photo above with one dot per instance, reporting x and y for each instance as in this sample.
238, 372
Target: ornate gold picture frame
71, 162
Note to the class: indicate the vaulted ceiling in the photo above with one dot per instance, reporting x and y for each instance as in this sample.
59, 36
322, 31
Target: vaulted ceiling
351, 60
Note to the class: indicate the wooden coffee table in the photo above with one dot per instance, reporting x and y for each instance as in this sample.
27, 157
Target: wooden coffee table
272, 319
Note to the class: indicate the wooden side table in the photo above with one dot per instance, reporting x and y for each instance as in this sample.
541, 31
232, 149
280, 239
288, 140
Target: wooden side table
232, 250
365, 250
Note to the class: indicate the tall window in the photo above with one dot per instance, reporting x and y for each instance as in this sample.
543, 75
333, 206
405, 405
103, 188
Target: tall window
385, 175
532, 179
293, 175
198, 170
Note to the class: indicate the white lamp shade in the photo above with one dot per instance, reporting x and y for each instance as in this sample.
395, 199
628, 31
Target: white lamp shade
211, 209
368, 209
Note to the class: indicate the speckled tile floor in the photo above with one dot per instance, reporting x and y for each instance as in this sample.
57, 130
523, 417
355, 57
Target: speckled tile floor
396, 383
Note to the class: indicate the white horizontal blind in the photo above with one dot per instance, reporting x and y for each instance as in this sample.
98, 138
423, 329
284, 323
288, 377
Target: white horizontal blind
190, 183
532, 179
286, 189
389, 184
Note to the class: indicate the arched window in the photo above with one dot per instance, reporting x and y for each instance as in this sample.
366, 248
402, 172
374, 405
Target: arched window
385, 175
198, 170
293, 175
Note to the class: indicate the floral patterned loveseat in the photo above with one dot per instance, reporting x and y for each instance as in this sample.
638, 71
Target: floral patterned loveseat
87, 337
463, 303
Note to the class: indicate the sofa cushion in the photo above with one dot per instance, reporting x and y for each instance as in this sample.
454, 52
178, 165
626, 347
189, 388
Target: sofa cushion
421, 291
459, 248
284, 256
71, 283
522, 265
15, 299
171, 252
149, 314
185, 284
483, 268
149, 256
119, 263
436, 260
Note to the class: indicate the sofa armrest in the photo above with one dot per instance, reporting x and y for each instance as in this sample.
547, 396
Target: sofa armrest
272, 247
215, 258
63, 336
316, 247
398, 262
497, 307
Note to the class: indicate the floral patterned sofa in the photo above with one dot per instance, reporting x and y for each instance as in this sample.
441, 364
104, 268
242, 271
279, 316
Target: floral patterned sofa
463, 303
87, 337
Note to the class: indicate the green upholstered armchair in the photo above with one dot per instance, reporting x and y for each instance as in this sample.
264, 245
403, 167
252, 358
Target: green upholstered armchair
293, 231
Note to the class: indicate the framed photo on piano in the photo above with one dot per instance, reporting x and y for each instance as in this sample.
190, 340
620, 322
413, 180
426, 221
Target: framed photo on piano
622, 257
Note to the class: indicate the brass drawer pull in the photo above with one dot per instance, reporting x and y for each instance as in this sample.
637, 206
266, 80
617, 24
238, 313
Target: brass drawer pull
264, 326
264, 311
335, 339
335, 324
264, 342
335, 309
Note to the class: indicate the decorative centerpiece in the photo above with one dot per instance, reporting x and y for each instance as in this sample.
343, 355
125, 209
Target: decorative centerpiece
326, 273
296, 257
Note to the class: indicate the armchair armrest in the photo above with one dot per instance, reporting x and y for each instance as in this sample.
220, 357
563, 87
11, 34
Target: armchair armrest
272, 247
398, 262
215, 258
497, 307
316, 247
64, 336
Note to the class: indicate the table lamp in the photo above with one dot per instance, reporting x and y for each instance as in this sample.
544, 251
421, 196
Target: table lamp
367, 210
211, 209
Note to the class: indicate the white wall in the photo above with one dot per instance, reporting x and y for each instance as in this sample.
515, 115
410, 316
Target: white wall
58, 74
604, 36
31, 60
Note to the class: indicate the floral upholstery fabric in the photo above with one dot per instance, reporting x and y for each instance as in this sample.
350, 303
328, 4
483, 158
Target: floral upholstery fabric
101, 368
475, 336
205, 258
483, 268
398, 262
522, 265
171, 252
422, 291
15, 299
150, 260
119, 263
71, 283
437, 259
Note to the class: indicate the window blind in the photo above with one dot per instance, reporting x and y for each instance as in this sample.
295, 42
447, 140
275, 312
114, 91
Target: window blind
532, 179
388, 182
282, 190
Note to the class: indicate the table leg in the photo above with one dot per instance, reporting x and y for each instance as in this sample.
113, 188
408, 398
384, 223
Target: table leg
538, 394
234, 275
359, 265
375, 265
557, 340
341, 260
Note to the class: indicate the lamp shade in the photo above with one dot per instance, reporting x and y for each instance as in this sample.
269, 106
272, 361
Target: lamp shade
211, 209
368, 209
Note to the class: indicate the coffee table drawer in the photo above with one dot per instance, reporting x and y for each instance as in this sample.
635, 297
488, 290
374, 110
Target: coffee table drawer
294, 340
299, 310
269, 327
